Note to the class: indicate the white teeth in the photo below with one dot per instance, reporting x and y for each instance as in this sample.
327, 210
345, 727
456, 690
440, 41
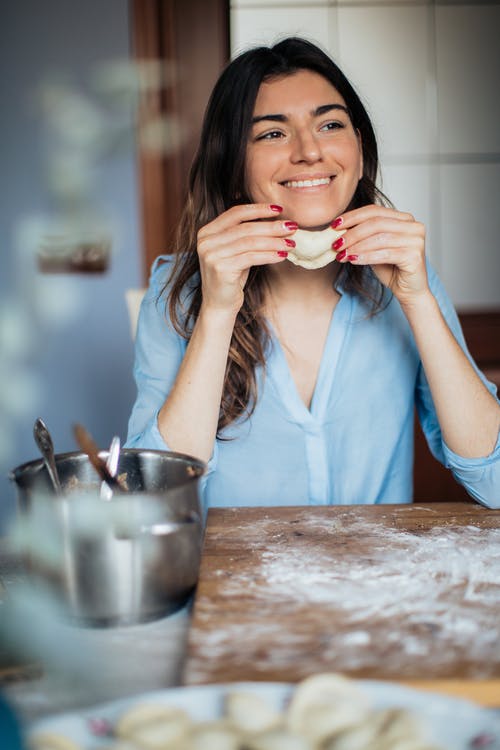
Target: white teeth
307, 183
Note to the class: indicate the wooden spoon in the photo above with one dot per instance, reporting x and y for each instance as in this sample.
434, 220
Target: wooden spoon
89, 447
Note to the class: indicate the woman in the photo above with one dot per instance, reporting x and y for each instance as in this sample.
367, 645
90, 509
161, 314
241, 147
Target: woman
298, 386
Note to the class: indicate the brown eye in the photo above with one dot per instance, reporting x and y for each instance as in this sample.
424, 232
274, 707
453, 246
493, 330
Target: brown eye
269, 136
335, 125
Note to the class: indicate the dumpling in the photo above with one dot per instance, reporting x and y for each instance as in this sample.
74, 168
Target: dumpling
314, 249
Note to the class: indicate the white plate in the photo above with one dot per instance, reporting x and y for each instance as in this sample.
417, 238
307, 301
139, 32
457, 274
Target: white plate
453, 723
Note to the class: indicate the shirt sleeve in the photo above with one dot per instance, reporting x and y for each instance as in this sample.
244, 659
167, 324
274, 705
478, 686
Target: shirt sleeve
479, 476
159, 350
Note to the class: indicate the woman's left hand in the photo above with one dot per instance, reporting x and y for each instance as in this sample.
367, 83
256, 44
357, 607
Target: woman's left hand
392, 243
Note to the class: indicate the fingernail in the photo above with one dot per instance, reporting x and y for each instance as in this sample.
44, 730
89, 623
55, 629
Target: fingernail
289, 242
290, 225
338, 243
283, 253
338, 222
276, 208
341, 255
352, 257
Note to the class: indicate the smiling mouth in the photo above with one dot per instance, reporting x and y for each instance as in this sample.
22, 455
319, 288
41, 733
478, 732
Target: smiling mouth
316, 182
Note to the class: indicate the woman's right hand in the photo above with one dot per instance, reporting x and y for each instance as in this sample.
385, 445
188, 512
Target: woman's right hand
234, 242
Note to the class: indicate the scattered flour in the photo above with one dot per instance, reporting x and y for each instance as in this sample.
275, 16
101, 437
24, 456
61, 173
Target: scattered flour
418, 602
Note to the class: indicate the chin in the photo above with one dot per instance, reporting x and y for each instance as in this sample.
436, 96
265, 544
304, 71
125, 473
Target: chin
314, 227
311, 220
313, 224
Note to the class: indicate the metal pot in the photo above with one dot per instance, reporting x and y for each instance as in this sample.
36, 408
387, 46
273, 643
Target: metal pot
131, 559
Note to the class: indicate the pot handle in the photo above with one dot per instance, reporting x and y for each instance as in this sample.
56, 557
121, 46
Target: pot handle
166, 527
162, 529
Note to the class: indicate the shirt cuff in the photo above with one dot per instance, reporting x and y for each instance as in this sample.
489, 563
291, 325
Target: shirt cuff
456, 462
479, 476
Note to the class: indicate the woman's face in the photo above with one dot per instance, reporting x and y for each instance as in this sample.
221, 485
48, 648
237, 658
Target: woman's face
303, 152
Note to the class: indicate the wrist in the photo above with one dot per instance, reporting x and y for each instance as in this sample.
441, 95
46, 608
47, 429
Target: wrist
217, 317
419, 304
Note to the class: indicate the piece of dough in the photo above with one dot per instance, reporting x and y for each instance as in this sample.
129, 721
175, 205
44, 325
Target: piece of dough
388, 729
278, 739
51, 741
213, 735
325, 704
362, 736
314, 249
249, 712
397, 724
153, 726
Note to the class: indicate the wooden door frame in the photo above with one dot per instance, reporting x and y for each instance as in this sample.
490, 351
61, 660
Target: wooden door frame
193, 35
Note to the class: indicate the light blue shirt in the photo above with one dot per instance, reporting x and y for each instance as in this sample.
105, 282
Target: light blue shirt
355, 443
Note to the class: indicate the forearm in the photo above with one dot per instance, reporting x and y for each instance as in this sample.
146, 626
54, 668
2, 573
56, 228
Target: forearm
468, 414
188, 419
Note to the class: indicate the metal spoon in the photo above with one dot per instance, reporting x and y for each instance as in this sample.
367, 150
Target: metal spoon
46, 447
112, 466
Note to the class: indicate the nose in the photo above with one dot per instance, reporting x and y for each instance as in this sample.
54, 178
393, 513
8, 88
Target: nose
306, 147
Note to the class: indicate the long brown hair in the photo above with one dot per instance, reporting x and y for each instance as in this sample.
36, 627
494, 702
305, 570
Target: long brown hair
217, 182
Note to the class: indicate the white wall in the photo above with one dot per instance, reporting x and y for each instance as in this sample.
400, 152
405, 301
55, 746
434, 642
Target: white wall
428, 74
81, 370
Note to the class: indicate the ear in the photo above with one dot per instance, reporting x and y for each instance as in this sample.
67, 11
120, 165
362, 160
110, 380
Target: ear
360, 146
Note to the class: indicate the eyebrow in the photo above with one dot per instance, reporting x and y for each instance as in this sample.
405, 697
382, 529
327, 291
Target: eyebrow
322, 110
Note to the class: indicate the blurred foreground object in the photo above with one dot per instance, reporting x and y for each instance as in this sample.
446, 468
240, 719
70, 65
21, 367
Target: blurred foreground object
128, 560
10, 731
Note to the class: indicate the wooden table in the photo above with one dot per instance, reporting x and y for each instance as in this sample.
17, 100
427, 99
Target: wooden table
399, 592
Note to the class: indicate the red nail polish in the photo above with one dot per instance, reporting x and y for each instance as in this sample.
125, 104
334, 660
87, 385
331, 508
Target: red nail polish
276, 208
338, 222
290, 225
352, 257
289, 242
341, 255
338, 243
283, 253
